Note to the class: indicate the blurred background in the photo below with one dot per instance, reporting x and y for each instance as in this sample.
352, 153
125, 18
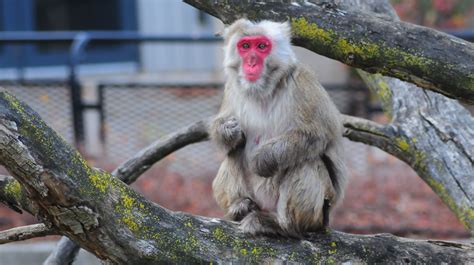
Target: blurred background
112, 76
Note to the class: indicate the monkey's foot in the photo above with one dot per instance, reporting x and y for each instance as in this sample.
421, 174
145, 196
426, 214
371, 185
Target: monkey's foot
238, 210
258, 223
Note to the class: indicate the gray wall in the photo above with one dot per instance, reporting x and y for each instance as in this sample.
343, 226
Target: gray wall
175, 17
36, 253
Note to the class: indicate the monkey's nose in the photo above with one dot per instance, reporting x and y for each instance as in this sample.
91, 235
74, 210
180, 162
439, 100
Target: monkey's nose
252, 60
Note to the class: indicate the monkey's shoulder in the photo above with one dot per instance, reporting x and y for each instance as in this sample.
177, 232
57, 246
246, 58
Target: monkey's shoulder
306, 84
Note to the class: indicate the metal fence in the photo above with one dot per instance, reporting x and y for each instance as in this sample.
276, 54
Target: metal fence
133, 115
50, 98
137, 114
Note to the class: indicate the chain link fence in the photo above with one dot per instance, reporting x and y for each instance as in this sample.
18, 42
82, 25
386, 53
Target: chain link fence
138, 114
50, 98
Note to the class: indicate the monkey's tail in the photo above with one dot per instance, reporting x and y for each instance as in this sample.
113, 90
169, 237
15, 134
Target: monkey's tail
336, 168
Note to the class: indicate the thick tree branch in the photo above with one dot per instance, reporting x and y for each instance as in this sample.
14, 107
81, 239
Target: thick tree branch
13, 195
25, 232
108, 218
374, 43
435, 132
66, 250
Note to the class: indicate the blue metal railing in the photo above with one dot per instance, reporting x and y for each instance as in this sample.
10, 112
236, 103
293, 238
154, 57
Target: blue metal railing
79, 41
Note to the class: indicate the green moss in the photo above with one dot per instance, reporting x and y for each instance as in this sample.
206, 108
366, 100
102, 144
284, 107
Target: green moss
315, 258
333, 249
130, 222
330, 260
220, 235
126, 210
367, 53
402, 144
251, 252
464, 213
302, 28
191, 244
342, 48
13, 189
100, 181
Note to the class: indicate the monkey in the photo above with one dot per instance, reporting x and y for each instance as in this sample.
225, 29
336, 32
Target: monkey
283, 171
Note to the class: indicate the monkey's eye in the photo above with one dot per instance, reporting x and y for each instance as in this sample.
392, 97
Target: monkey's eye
262, 46
246, 45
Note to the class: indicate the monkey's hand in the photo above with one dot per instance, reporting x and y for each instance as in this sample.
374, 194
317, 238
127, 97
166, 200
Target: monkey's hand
265, 163
231, 132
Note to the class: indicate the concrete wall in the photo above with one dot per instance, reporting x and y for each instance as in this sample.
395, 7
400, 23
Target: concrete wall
171, 17
36, 253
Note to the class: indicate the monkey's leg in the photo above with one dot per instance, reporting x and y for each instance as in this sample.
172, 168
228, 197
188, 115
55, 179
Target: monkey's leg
260, 222
301, 206
230, 190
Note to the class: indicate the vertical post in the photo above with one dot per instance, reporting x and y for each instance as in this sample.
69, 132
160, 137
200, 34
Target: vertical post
81, 40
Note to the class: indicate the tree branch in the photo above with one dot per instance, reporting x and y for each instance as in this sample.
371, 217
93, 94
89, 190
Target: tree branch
435, 133
374, 43
66, 250
25, 232
111, 220
129, 171
13, 195
64, 253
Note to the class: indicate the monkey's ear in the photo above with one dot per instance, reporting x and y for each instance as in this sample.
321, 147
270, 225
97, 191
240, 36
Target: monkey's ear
238, 26
280, 31
286, 29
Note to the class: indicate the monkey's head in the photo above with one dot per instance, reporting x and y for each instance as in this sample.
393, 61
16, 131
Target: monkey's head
259, 54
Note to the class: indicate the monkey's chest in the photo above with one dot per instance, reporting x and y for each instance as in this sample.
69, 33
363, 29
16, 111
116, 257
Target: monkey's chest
260, 126
264, 190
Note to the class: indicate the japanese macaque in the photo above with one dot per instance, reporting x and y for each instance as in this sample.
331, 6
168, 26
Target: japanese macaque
281, 133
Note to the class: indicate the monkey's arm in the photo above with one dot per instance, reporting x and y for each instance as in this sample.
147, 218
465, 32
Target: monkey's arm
288, 150
227, 133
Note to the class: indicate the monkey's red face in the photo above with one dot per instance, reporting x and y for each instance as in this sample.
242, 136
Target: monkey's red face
253, 50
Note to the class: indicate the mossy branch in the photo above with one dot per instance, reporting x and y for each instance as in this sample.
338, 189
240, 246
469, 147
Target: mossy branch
377, 44
106, 217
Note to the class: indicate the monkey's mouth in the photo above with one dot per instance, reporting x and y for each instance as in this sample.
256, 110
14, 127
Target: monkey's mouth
252, 77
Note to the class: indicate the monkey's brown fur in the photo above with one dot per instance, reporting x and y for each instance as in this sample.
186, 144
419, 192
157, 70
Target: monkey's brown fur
282, 135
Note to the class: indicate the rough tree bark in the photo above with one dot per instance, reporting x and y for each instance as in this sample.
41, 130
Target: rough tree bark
106, 217
25, 232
